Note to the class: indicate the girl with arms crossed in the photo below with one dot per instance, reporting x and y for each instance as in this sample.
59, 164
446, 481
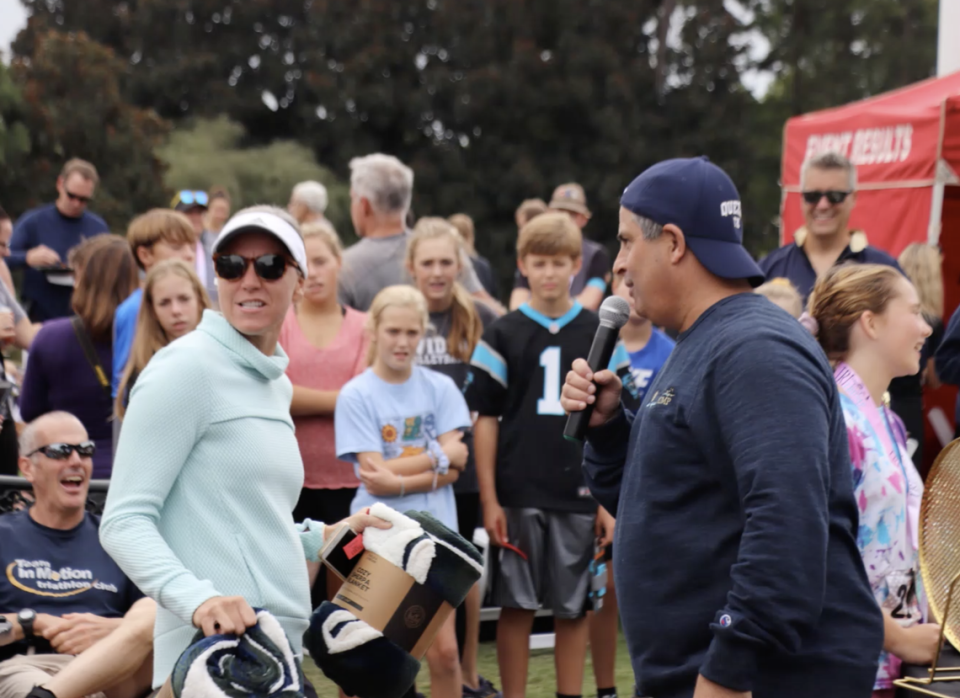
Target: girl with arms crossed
402, 425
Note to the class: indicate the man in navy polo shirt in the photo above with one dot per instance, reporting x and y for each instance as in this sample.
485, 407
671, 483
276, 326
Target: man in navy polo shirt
43, 237
735, 551
828, 184
59, 590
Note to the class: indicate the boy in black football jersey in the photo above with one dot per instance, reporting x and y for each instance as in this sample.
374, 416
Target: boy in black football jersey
536, 508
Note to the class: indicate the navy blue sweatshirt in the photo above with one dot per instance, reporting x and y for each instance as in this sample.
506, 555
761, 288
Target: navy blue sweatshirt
947, 358
47, 226
735, 549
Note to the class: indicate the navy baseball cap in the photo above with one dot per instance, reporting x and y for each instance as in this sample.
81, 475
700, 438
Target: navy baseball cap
699, 198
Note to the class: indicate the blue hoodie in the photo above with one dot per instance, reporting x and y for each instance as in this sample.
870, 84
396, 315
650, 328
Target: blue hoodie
735, 552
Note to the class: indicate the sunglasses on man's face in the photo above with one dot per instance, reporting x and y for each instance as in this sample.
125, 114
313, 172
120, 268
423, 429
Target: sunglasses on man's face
62, 451
191, 198
833, 196
269, 267
76, 197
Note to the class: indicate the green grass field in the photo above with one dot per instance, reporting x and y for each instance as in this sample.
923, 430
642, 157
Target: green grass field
540, 683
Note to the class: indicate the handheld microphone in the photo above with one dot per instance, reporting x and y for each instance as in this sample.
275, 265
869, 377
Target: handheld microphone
614, 313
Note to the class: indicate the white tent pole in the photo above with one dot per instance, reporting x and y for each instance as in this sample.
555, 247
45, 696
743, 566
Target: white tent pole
936, 214
948, 61
948, 45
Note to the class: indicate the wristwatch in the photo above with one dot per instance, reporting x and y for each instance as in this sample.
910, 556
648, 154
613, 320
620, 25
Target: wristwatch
26, 618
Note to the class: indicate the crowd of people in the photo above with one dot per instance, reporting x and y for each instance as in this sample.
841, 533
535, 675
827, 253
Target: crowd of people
242, 380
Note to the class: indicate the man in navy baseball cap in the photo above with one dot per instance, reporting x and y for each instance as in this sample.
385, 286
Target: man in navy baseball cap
701, 200
737, 534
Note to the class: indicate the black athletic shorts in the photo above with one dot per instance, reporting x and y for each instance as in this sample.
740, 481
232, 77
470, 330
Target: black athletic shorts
559, 547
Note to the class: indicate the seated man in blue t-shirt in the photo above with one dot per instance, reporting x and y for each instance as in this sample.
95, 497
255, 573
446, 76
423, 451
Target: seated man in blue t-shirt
61, 593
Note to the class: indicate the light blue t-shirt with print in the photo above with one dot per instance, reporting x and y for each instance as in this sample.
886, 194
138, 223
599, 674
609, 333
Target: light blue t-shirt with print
399, 420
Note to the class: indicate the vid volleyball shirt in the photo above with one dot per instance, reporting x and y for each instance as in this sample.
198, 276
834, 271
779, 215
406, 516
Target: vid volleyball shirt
433, 353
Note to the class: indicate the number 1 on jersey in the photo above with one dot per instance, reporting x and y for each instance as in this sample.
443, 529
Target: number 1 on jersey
550, 402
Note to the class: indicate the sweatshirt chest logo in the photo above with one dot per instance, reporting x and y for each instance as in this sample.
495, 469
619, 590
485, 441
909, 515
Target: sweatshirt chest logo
661, 398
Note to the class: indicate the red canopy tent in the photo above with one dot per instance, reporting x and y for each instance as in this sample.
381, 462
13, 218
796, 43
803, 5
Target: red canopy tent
906, 146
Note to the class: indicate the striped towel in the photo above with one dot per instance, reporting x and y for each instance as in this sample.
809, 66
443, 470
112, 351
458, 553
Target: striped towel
258, 663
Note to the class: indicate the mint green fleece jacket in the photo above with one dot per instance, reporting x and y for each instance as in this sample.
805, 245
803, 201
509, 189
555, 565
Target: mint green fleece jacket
206, 475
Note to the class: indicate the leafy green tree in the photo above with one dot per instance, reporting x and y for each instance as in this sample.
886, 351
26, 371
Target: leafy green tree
494, 101
491, 101
211, 152
72, 107
829, 52
14, 136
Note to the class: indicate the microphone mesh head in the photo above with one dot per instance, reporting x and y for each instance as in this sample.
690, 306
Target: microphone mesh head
615, 312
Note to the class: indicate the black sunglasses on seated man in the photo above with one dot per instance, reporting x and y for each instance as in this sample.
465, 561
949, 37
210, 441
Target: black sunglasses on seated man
62, 451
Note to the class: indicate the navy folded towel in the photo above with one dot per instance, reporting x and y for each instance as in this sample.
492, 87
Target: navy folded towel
258, 663
372, 667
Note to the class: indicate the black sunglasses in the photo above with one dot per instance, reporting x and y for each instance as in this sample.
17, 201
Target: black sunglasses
269, 267
62, 451
77, 197
833, 196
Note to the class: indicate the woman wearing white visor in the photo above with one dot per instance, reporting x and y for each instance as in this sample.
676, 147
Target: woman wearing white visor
207, 470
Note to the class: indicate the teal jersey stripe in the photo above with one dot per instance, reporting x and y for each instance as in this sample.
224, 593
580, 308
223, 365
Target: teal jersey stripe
488, 359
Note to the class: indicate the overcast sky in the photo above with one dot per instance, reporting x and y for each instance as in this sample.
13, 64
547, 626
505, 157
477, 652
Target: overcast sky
12, 19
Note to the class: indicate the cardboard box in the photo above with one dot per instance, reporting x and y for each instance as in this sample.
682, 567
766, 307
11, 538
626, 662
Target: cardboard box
390, 600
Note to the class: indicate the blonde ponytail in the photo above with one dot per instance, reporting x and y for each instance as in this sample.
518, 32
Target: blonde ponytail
465, 326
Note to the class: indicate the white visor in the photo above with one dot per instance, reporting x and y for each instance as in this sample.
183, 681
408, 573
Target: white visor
269, 223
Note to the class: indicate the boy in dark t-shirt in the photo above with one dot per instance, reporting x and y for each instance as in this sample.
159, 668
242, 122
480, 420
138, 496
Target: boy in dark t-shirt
536, 508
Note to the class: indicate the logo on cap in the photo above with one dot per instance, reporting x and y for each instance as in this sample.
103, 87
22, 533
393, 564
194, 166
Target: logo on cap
725, 620
731, 208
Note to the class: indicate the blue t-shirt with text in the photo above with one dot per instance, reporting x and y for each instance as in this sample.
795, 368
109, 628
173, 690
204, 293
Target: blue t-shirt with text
646, 363
58, 572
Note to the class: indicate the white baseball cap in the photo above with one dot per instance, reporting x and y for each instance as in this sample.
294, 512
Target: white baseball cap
269, 223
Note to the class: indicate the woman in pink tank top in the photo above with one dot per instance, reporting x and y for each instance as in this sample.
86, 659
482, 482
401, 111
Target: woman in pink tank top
327, 346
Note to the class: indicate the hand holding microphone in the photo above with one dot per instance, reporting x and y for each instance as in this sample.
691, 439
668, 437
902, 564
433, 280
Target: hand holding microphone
591, 393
